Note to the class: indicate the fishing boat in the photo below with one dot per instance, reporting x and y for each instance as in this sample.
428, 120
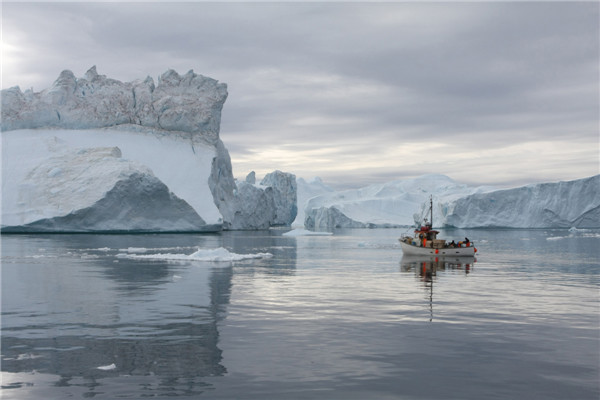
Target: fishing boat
426, 243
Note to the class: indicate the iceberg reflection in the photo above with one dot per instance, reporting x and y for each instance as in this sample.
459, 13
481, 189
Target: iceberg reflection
79, 315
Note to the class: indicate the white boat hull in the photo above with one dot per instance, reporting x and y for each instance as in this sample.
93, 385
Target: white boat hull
411, 250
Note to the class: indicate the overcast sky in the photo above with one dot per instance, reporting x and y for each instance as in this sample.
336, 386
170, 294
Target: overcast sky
356, 93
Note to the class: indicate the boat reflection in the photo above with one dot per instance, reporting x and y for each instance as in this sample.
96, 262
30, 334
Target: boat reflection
427, 267
426, 270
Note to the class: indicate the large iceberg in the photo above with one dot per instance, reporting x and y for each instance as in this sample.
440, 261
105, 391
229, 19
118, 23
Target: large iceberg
97, 154
406, 202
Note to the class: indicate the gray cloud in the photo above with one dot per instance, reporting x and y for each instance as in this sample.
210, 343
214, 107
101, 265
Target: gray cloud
355, 80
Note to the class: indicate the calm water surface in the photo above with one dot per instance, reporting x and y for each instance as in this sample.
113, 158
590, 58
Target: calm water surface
327, 317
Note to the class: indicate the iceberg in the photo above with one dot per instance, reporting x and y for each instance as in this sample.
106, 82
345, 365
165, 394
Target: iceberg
572, 204
57, 176
405, 203
95, 154
285, 196
390, 204
306, 190
273, 202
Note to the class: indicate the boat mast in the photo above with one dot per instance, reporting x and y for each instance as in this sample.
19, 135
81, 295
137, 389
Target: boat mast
431, 209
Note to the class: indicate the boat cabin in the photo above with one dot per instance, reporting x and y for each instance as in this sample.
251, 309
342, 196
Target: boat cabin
425, 236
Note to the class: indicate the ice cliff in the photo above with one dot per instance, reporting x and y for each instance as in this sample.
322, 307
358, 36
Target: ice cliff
404, 202
53, 193
548, 205
97, 154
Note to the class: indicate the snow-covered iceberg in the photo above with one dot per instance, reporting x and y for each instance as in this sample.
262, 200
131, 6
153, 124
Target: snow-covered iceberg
548, 205
97, 154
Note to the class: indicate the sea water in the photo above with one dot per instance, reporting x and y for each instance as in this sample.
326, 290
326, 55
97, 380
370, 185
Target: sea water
262, 315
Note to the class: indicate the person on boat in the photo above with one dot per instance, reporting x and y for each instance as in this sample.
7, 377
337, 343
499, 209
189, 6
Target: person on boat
452, 244
467, 242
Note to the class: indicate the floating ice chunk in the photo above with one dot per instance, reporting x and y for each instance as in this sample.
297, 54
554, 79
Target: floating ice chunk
215, 255
135, 250
107, 367
304, 232
28, 356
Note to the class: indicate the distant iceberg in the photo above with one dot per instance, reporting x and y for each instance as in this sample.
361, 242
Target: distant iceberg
572, 204
404, 202
307, 189
390, 204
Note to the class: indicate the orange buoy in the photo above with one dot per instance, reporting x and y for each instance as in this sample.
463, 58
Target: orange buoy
436, 251
475, 248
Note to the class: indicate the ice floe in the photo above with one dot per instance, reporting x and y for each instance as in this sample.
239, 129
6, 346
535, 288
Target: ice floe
107, 367
214, 255
305, 232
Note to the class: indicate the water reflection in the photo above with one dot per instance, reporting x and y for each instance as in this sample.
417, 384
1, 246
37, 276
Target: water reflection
78, 316
70, 306
284, 250
427, 267
426, 270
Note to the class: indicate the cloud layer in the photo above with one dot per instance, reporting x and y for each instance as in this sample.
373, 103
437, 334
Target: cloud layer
495, 93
